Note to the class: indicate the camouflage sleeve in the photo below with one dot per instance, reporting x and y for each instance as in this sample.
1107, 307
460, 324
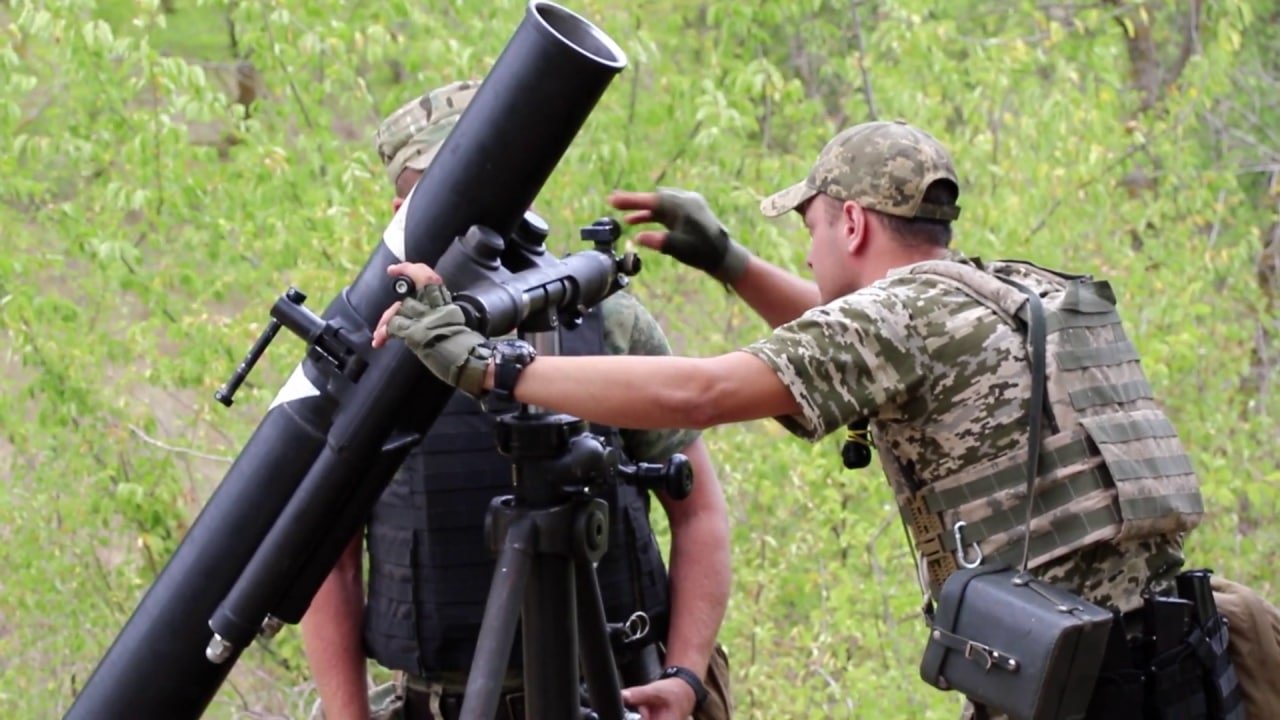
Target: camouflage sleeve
853, 358
629, 329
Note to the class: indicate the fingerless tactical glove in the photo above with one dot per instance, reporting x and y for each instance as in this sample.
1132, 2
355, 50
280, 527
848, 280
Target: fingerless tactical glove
432, 327
696, 238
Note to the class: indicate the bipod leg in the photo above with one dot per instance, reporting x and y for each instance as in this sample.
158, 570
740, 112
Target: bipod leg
501, 611
591, 538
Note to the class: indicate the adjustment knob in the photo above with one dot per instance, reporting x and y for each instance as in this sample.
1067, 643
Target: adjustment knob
484, 245
402, 287
602, 232
532, 230
629, 264
678, 477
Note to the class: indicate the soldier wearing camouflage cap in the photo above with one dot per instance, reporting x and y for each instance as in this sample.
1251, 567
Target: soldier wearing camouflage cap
410, 137
886, 167
427, 585
930, 349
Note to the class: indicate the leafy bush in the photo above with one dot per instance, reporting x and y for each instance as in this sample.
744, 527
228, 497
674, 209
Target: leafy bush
172, 166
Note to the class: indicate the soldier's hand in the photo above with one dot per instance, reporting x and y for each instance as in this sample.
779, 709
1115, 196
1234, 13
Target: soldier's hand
422, 275
667, 699
694, 235
431, 325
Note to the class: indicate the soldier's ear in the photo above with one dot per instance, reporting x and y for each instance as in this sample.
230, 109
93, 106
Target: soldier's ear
853, 224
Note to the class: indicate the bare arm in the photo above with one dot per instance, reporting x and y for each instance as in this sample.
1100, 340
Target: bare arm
775, 294
331, 639
699, 564
649, 393
700, 576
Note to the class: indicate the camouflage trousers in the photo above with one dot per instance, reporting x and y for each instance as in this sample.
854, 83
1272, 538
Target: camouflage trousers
386, 701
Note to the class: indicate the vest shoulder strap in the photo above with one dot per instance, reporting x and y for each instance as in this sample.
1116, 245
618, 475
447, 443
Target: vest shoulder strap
979, 284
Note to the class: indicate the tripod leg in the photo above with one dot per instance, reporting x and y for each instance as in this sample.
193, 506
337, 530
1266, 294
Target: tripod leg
598, 668
498, 629
550, 640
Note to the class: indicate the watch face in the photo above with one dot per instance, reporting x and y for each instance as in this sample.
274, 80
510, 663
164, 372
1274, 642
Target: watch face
517, 351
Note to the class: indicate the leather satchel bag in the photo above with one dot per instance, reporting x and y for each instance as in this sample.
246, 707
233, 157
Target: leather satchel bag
1016, 644
1006, 640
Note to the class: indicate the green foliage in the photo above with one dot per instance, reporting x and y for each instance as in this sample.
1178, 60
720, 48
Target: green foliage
149, 221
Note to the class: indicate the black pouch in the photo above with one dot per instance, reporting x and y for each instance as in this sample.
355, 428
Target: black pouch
1016, 644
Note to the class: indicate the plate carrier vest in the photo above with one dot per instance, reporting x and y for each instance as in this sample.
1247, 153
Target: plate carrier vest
1111, 465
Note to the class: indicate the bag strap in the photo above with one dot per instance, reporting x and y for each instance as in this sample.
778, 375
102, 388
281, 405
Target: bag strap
1038, 337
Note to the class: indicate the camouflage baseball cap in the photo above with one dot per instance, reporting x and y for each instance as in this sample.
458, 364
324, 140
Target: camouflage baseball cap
410, 136
884, 166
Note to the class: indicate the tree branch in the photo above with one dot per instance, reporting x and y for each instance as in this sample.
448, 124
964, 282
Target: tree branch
1144, 62
1190, 43
174, 449
680, 151
1044, 220
867, 93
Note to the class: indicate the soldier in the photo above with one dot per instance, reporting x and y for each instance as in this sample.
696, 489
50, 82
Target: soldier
931, 349
430, 570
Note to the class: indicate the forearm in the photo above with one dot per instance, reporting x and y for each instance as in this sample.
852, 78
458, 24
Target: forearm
331, 639
643, 393
699, 566
775, 294
650, 393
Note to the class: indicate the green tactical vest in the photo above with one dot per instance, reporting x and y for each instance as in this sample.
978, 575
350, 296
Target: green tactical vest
1111, 466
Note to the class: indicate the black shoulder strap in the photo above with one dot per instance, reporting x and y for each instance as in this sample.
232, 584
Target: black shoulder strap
1038, 337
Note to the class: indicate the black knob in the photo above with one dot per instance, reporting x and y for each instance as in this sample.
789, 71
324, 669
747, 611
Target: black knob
678, 477
604, 231
532, 230
403, 287
629, 264
483, 244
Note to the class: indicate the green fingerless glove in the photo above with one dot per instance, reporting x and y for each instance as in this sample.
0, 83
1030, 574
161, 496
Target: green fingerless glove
432, 327
696, 238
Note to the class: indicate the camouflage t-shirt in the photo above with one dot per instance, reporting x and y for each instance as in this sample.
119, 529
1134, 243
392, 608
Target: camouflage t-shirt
947, 382
946, 374
629, 329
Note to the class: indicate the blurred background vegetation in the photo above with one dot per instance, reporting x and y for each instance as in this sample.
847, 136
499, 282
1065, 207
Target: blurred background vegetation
170, 166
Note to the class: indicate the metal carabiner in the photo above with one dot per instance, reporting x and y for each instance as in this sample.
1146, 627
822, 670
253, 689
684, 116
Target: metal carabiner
961, 558
636, 627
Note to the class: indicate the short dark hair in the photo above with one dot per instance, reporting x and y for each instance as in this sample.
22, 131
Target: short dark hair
925, 231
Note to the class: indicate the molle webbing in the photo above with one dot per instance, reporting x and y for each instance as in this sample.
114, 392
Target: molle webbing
925, 528
1113, 470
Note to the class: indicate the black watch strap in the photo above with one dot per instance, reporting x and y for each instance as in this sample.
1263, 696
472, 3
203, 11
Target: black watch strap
690, 677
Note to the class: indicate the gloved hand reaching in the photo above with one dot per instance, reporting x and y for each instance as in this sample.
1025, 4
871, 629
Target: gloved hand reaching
694, 235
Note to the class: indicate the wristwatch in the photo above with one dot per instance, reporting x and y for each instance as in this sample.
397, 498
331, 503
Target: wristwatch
690, 677
510, 358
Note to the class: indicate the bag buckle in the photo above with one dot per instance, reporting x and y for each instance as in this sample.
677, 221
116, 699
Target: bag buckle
974, 650
961, 552
987, 658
